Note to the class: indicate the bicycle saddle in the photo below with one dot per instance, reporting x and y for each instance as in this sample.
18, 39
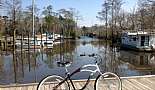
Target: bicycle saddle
63, 63
82, 55
91, 55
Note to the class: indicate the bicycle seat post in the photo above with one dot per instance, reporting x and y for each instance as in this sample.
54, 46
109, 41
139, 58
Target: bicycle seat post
64, 64
66, 69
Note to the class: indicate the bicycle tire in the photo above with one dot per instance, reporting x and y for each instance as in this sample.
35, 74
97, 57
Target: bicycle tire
108, 81
49, 82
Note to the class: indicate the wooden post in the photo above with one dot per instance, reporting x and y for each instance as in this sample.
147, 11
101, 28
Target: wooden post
22, 54
41, 37
29, 50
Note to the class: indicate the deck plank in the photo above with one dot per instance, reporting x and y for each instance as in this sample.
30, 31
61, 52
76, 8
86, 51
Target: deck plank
147, 82
139, 85
135, 83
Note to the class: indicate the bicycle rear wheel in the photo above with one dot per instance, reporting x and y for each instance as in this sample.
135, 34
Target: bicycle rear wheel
108, 81
50, 82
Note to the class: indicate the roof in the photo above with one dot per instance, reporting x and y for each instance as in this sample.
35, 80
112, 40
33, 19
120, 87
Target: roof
137, 33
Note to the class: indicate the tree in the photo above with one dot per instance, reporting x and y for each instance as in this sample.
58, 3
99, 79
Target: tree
27, 18
84, 29
68, 22
50, 18
48, 11
103, 15
13, 9
146, 15
109, 13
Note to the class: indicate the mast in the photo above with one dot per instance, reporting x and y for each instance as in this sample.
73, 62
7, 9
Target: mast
33, 1
33, 17
106, 23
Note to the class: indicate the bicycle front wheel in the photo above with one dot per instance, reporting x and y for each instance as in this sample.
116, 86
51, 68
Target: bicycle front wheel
108, 81
52, 83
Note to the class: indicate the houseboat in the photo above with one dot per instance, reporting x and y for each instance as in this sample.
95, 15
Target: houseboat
139, 41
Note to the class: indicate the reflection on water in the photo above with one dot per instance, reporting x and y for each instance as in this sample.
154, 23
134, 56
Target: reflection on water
140, 62
29, 67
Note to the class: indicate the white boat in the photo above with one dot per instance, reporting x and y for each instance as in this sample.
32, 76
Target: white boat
56, 36
141, 41
45, 41
38, 42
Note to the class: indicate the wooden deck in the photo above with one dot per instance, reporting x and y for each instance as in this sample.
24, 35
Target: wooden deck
128, 83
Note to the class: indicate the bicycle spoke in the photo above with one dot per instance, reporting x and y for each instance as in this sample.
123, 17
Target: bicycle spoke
52, 83
108, 83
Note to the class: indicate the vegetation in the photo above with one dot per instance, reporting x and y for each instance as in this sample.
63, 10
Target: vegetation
117, 20
109, 14
20, 19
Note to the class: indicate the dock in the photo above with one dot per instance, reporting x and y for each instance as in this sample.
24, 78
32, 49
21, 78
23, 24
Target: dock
128, 83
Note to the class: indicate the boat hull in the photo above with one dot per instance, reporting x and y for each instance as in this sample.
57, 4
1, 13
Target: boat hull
143, 49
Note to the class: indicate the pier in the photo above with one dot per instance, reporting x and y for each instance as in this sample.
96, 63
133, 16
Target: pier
128, 83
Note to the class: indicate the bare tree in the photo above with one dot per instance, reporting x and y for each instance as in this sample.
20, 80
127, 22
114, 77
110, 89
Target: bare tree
103, 14
13, 9
109, 13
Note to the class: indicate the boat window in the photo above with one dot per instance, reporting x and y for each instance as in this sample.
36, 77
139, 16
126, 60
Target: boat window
47, 43
9, 42
50, 37
130, 38
134, 38
142, 40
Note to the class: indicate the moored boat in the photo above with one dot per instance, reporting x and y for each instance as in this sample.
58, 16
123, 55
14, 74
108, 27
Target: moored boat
139, 41
37, 43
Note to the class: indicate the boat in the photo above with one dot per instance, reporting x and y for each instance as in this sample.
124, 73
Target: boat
43, 41
139, 41
56, 36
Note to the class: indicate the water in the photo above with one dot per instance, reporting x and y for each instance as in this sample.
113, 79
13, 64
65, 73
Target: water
30, 67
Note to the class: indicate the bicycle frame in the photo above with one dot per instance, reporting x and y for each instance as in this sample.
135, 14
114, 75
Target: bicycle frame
81, 69
68, 77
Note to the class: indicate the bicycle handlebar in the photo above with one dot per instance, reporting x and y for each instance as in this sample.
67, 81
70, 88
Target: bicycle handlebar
90, 55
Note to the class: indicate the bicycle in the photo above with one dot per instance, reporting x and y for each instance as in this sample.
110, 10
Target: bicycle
59, 83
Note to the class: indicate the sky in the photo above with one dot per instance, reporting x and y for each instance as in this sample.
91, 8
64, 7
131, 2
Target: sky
87, 8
